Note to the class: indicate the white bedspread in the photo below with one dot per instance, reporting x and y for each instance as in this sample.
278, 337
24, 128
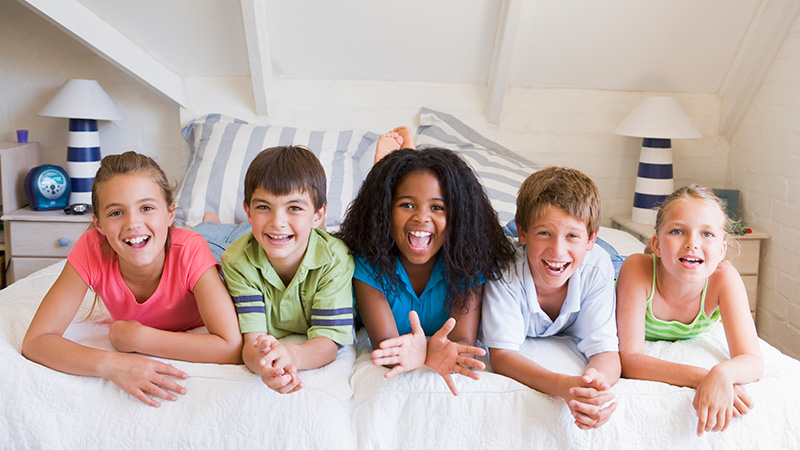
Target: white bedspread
348, 404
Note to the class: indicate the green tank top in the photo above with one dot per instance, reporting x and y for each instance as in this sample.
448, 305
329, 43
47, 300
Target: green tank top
656, 329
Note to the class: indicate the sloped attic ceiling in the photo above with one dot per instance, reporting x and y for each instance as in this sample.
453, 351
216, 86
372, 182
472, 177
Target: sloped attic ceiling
710, 46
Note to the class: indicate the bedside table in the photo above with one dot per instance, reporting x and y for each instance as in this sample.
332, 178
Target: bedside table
37, 239
746, 261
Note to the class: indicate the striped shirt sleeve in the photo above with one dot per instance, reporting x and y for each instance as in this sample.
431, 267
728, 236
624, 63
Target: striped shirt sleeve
332, 308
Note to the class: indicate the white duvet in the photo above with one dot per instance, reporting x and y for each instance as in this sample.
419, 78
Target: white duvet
348, 404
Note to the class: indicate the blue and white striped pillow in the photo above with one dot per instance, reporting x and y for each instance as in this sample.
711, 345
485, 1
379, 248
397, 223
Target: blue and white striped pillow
501, 171
222, 149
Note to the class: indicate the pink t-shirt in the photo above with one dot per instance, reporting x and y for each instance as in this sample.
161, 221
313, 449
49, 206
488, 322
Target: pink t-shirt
172, 306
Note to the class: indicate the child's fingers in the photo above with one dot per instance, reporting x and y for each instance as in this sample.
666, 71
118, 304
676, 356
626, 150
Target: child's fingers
169, 369
468, 362
450, 384
466, 371
395, 370
592, 395
393, 343
416, 327
702, 417
470, 350
445, 330
385, 360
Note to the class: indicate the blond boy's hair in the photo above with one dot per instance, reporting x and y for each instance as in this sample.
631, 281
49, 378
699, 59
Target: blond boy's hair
567, 189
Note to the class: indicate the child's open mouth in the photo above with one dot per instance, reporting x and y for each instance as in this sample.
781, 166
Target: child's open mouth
280, 239
419, 241
555, 267
137, 242
690, 261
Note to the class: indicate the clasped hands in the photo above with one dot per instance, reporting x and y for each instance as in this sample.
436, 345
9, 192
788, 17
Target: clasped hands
277, 370
410, 351
589, 400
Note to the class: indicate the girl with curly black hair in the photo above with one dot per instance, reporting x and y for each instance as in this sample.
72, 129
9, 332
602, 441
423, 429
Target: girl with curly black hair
425, 238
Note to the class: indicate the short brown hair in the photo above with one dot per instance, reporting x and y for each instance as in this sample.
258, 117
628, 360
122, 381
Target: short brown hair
281, 170
564, 188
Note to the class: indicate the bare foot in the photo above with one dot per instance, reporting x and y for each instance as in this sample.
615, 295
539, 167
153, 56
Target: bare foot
400, 137
210, 217
407, 135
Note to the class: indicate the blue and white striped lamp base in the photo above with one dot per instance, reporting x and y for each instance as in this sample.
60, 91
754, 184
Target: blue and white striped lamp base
654, 181
83, 158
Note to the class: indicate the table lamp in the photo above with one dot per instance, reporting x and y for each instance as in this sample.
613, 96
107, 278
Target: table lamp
656, 120
83, 102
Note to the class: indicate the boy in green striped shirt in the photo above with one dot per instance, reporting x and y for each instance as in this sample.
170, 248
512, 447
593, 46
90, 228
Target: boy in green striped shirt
289, 276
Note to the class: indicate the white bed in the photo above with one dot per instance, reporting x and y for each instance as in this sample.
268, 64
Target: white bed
348, 404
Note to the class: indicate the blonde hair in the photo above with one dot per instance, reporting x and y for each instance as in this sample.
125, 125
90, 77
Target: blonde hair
564, 188
704, 194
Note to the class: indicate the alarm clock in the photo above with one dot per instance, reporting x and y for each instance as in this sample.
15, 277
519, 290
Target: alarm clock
47, 187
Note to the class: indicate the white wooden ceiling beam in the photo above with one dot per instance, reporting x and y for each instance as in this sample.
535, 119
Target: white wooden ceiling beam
254, 14
502, 56
761, 43
82, 24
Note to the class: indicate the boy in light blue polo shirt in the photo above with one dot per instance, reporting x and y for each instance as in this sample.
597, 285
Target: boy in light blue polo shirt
561, 283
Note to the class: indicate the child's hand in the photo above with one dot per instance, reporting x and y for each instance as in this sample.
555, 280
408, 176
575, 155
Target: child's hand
590, 401
285, 383
123, 334
144, 377
714, 402
742, 402
407, 351
276, 356
446, 356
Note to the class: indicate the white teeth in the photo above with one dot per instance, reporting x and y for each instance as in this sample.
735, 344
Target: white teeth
280, 237
420, 233
556, 266
692, 260
136, 240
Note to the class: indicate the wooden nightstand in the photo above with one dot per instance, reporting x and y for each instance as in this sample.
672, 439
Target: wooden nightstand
16, 159
746, 261
36, 239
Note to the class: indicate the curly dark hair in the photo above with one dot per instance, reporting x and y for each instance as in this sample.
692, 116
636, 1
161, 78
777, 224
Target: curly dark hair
474, 243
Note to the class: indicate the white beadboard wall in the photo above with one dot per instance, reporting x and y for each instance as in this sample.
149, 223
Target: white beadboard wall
570, 127
764, 162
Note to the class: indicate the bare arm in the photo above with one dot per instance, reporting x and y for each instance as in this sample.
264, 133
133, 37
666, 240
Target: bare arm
221, 345
468, 318
513, 365
44, 343
633, 289
375, 313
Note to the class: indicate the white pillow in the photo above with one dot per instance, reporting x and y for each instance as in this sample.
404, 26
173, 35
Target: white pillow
222, 148
501, 171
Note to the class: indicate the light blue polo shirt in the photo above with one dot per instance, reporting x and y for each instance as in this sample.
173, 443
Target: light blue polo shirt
511, 310
430, 306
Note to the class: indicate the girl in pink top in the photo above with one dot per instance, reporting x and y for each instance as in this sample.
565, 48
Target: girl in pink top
155, 281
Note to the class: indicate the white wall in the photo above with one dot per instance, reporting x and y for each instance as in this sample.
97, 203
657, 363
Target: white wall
36, 59
764, 163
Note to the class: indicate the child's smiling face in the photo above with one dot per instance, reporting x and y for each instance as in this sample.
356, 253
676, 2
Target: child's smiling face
135, 219
555, 244
282, 225
691, 240
419, 218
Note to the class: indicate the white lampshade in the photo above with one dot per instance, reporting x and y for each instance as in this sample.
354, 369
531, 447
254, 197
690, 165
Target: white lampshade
82, 99
660, 118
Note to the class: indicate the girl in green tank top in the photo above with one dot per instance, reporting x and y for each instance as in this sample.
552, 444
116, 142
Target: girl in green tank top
681, 291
